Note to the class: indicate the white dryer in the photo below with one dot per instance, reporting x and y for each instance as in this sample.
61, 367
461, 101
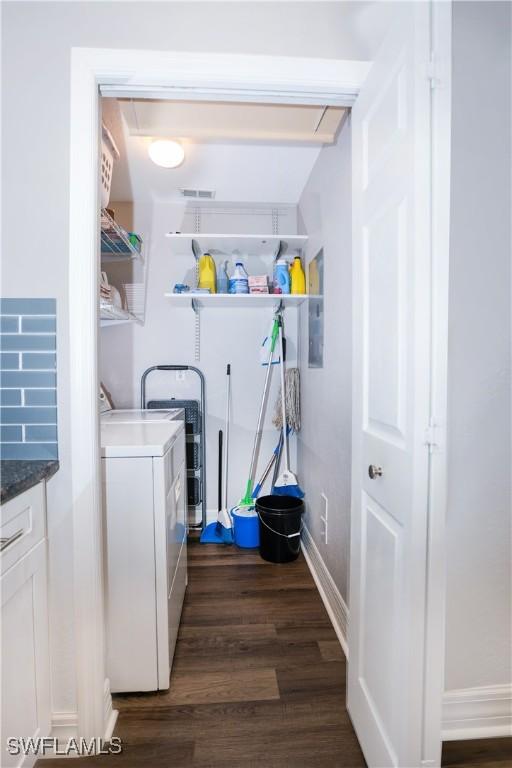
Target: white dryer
144, 504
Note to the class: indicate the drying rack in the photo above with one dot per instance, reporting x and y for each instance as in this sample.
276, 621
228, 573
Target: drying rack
201, 470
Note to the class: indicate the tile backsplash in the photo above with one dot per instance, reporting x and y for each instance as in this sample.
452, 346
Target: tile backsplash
28, 394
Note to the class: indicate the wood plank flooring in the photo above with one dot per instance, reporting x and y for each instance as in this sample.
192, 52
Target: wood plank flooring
479, 753
258, 679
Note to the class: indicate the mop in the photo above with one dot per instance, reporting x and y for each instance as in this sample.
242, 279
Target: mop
221, 531
286, 484
292, 394
292, 390
247, 502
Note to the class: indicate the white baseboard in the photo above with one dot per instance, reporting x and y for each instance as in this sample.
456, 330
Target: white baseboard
64, 725
477, 713
331, 597
111, 714
211, 516
468, 713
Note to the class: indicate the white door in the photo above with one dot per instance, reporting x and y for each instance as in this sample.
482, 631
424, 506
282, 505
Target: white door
391, 167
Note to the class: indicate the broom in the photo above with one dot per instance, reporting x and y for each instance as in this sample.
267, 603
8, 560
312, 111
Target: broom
221, 531
286, 484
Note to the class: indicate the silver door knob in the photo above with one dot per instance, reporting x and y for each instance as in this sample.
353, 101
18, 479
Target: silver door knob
374, 471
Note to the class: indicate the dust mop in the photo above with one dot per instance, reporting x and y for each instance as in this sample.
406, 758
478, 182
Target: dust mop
292, 394
286, 484
221, 531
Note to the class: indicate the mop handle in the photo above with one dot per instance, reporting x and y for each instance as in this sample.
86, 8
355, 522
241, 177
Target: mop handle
283, 398
226, 445
257, 437
266, 471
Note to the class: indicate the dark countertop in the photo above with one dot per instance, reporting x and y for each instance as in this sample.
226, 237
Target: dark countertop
18, 475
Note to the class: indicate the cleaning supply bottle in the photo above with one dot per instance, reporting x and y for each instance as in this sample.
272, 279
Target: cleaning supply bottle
281, 277
223, 279
239, 281
297, 276
207, 273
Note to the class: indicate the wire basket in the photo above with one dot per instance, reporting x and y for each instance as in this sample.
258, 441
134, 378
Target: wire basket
109, 153
193, 491
193, 461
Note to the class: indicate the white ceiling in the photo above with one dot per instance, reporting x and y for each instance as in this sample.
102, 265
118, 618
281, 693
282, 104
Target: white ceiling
238, 171
228, 121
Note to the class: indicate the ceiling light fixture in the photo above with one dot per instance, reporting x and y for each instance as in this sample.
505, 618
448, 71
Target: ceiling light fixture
166, 153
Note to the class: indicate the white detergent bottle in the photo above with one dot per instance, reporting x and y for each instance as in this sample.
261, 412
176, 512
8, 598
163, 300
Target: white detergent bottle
239, 280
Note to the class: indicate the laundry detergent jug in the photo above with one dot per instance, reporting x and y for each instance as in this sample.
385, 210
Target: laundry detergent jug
281, 277
207, 273
239, 280
298, 277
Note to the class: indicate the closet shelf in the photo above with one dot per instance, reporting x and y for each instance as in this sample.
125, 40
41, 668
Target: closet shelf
217, 300
242, 245
115, 242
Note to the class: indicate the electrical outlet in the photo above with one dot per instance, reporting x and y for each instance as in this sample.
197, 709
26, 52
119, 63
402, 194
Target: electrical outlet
180, 375
324, 515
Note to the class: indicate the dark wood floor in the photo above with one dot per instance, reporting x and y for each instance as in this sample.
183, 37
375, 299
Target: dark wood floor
258, 676
258, 679
478, 753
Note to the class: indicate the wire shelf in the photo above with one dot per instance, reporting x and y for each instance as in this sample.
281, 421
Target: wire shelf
115, 241
111, 315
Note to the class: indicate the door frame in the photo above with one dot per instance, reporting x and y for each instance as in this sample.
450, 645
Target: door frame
156, 74
153, 74
440, 73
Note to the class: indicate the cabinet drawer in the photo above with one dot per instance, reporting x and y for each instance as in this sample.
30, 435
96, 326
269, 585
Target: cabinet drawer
22, 524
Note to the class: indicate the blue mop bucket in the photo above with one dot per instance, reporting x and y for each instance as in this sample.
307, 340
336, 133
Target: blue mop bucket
246, 525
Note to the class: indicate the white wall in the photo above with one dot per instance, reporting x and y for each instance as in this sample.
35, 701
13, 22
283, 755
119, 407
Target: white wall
227, 336
479, 599
36, 42
325, 439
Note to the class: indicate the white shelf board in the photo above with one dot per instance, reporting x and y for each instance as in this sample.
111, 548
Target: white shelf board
117, 317
245, 245
217, 300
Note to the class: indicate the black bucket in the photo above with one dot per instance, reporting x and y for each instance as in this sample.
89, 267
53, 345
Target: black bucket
280, 522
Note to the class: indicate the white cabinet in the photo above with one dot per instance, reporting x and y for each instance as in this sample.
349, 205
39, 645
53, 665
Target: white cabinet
146, 561
25, 703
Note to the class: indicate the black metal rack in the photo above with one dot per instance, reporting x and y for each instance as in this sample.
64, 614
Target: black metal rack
195, 423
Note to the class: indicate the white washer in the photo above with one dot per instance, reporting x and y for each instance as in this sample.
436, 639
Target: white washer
144, 506
131, 415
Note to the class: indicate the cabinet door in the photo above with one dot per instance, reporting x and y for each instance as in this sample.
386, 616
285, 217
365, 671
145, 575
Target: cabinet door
25, 656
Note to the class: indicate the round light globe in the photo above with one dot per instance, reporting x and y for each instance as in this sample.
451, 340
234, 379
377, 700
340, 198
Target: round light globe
166, 153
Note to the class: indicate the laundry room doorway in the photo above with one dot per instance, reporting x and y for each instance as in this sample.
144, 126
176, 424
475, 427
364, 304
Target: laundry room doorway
400, 250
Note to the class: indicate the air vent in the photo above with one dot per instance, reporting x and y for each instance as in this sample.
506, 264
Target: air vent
203, 194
